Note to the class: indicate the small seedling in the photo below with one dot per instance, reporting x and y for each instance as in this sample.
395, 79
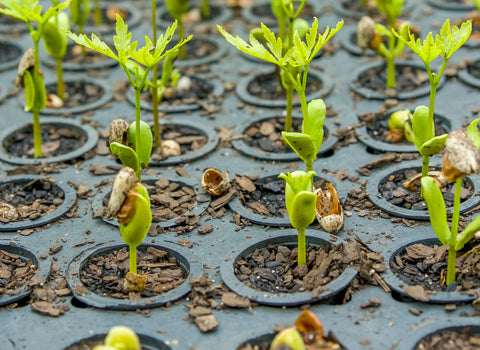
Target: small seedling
445, 44
177, 9
301, 203
120, 338
97, 13
461, 159
371, 35
130, 204
131, 60
80, 12
30, 78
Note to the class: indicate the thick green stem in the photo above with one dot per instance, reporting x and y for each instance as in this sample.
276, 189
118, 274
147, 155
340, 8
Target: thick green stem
288, 118
182, 53
37, 133
60, 84
425, 165
97, 13
205, 9
133, 258
391, 82
137, 123
302, 250
452, 253
282, 28
156, 124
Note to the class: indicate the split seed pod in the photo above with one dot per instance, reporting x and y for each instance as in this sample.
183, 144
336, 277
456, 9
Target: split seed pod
411, 183
367, 36
215, 182
26, 63
308, 324
461, 156
124, 181
329, 211
118, 131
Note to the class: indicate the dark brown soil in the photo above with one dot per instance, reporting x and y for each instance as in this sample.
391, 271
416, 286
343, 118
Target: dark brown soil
197, 48
464, 338
266, 86
200, 90
108, 20
267, 198
78, 93
56, 141
103, 273
426, 266
274, 268
189, 139
267, 135
28, 201
72, 55
9, 52
15, 272
392, 190
407, 79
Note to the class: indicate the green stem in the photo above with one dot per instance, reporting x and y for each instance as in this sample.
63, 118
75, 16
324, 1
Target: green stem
425, 165
452, 253
156, 124
60, 84
282, 28
133, 258
97, 13
288, 118
205, 9
391, 63
302, 250
182, 53
37, 133
137, 124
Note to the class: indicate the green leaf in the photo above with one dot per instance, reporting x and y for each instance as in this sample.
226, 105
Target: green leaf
436, 207
122, 40
313, 125
80, 11
29, 87
302, 144
134, 232
468, 233
144, 150
473, 132
52, 11
54, 35
420, 126
426, 51
127, 156
453, 38
303, 209
40, 93
95, 43
433, 146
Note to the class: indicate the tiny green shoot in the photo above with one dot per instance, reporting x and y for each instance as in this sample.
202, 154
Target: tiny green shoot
177, 9
301, 203
120, 338
30, 12
461, 159
131, 58
449, 40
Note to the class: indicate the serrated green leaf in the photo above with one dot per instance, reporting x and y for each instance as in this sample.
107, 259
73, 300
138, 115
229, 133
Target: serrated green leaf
433, 146
427, 50
52, 11
94, 43
122, 40
453, 38
391, 8
302, 144
468, 233
29, 88
144, 150
436, 207
127, 156
421, 128
473, 132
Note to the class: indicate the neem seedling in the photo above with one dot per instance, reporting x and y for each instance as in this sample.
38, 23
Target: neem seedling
130, 203
295, 64
80, 11
301, 203
445, 44
131, 59
56, 42
177, 9
120, 338
371, 34
461, 159
30, 77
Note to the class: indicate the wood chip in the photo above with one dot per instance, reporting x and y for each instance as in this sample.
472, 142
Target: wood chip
234, 300
417, 292
206, 323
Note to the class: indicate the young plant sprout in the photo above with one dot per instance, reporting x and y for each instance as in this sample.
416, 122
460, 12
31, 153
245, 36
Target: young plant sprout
177, 9
122, 141
301, 203
130, 204
120, 338
295, 64
461, 159
80, 11
400, 126
131, 59
371, 34
29, 75
445, 44
56, 42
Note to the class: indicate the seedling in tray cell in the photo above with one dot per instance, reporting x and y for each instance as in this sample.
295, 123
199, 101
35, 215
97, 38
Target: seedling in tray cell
461, 159
120, 338
79, 12
177, 9
29, 74
130, 203
445, 44
131, 60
